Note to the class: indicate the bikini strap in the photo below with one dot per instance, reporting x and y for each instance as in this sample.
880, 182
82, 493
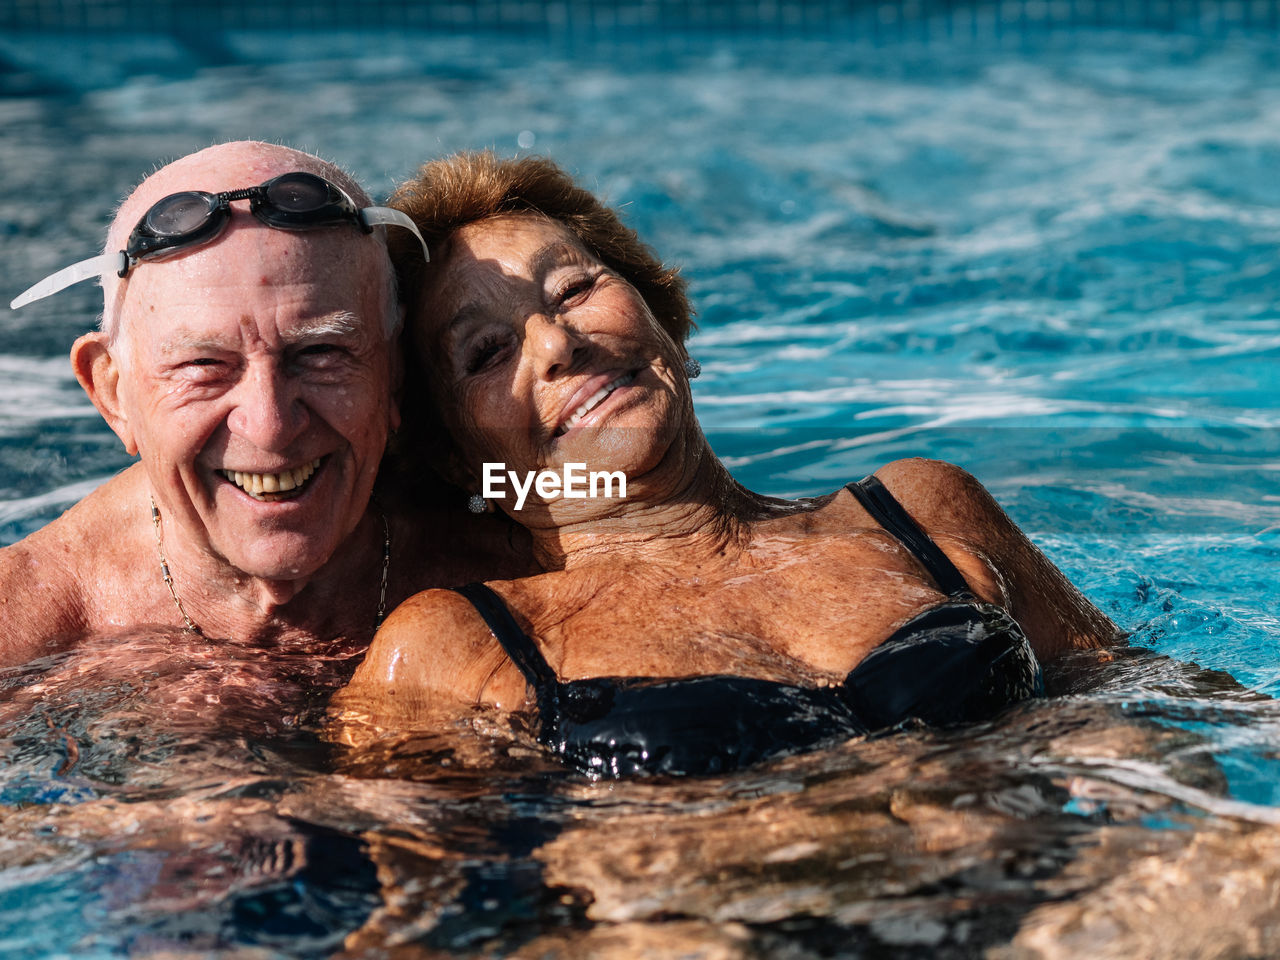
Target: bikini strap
893, 516
524, 653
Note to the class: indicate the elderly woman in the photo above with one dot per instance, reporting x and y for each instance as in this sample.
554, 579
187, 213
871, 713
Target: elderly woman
690, 625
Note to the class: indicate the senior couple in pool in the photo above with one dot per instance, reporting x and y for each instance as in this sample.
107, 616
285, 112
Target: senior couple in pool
256, 351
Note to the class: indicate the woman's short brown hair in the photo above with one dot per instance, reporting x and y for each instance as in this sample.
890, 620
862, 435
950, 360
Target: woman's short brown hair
454, 191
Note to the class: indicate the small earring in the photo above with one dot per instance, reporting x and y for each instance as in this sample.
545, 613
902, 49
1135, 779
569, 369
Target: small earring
692, 368
477, 503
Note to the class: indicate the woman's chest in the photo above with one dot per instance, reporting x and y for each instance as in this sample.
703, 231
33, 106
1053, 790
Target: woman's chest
805, 615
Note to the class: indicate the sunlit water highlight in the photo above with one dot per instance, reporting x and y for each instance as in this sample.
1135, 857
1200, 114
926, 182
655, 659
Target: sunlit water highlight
1051, 261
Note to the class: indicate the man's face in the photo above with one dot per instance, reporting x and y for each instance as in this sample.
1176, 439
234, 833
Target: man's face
256, 381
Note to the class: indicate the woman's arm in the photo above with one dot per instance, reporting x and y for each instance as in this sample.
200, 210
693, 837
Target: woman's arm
999, 561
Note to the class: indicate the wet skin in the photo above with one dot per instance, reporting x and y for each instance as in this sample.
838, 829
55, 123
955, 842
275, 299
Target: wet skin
691, 573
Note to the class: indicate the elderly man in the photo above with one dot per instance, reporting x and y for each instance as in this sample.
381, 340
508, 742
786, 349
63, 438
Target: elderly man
247, 356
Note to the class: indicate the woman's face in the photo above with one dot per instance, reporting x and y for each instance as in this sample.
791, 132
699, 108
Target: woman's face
543, 356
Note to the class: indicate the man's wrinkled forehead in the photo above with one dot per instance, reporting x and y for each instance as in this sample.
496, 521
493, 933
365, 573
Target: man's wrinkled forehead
260, 286
317, 270
340, 326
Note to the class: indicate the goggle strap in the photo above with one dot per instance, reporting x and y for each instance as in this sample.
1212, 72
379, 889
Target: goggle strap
84, 270
388, 216
119, 262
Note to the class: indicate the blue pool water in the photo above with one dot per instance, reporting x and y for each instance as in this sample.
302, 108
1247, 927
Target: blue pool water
1048, 255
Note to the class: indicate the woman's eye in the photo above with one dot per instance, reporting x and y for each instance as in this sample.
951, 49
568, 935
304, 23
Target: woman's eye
482, 353
575, 290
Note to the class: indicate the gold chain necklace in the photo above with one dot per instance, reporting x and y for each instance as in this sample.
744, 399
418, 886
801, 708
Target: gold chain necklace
193, 627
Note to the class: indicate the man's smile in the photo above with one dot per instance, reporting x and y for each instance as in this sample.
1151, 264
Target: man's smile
269, 487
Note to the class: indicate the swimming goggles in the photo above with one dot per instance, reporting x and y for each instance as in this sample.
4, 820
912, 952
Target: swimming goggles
291, 201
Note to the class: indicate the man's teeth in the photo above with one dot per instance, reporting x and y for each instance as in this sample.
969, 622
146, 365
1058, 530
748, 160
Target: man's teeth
594, 401
258, 484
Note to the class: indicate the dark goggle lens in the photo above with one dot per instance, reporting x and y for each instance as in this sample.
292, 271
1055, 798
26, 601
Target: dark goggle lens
298, 193
179, 214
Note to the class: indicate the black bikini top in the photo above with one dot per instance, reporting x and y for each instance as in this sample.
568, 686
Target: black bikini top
960, 661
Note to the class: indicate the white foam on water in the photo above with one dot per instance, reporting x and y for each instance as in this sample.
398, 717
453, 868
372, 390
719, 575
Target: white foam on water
39, 389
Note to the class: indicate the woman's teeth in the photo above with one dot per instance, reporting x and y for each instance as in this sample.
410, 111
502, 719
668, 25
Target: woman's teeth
269, 486
594, 401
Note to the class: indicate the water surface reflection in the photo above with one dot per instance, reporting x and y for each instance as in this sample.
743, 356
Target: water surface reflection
139, 819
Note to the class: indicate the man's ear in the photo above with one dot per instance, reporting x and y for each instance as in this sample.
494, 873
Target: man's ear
99, 374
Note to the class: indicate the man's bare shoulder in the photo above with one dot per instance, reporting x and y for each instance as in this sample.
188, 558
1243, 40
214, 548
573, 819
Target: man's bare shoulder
41, 609
53, 582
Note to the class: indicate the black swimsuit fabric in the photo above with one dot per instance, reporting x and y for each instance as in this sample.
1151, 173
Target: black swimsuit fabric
960, 661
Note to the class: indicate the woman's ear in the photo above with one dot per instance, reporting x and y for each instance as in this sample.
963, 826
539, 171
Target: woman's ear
99, 371
459, 473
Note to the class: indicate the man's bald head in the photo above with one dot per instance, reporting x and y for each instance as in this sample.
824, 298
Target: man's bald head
232, 166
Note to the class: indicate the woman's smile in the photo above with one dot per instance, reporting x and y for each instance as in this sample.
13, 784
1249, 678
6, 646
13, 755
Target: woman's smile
595, 393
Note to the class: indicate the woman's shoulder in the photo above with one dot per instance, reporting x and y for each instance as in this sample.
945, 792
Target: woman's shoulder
437, 608
941, 496
954, 509
433, 649
998, 559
